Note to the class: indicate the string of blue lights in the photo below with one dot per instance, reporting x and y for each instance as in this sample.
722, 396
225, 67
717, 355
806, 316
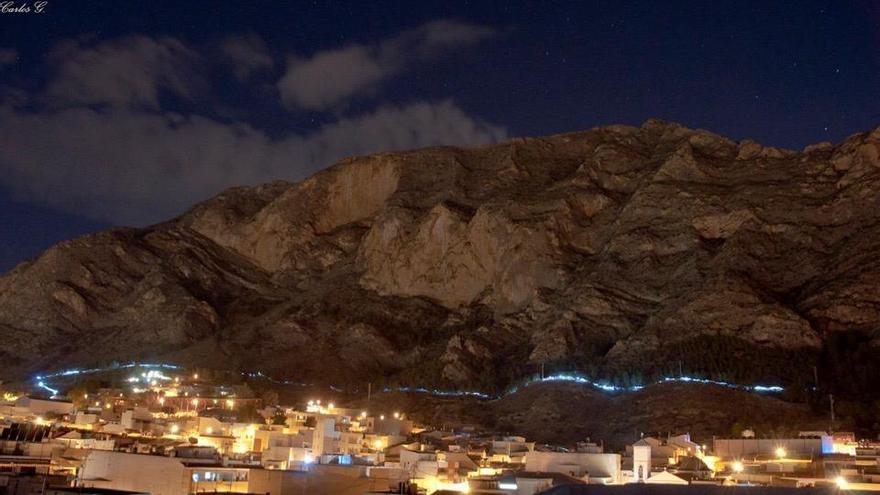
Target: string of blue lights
558, 377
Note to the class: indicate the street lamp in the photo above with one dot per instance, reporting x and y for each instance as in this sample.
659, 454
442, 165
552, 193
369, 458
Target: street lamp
738, 467
781, 453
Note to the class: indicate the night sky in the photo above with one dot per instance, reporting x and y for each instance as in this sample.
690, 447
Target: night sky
126, 113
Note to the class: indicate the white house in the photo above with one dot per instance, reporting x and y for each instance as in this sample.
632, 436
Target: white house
152, 474
41, 407
666, 478
598, 468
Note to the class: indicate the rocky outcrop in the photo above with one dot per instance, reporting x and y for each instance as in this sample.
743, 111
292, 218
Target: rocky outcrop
455, 258
607, 251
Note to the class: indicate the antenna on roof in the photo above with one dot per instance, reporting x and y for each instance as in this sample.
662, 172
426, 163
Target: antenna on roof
831, 398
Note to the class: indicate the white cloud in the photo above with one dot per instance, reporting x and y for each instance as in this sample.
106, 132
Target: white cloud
329, 78
130, 71
134, 168
438, 35
97, 142
8, 56
246, 54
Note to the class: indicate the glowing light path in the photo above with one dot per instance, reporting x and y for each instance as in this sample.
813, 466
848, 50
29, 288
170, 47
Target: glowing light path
583, 380
607, 387
43, 385
559, 377
441, 393
75, 371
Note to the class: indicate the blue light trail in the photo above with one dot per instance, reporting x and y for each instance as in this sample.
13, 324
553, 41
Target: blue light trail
558, 377
42, 385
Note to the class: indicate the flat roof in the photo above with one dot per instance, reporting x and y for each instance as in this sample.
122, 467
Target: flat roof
558, 478
77, 489
49, 400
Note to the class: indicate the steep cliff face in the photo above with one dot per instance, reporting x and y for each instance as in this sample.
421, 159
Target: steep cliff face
620, 251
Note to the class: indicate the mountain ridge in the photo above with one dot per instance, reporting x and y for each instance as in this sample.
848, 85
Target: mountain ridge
621, 252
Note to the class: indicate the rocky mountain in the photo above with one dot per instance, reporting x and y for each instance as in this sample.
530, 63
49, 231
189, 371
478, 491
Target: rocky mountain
622, 252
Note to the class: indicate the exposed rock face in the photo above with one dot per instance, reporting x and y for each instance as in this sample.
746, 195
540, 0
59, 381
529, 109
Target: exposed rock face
617, 250
454, 257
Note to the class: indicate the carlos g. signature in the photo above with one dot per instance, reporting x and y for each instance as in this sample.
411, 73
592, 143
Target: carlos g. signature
12, 7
